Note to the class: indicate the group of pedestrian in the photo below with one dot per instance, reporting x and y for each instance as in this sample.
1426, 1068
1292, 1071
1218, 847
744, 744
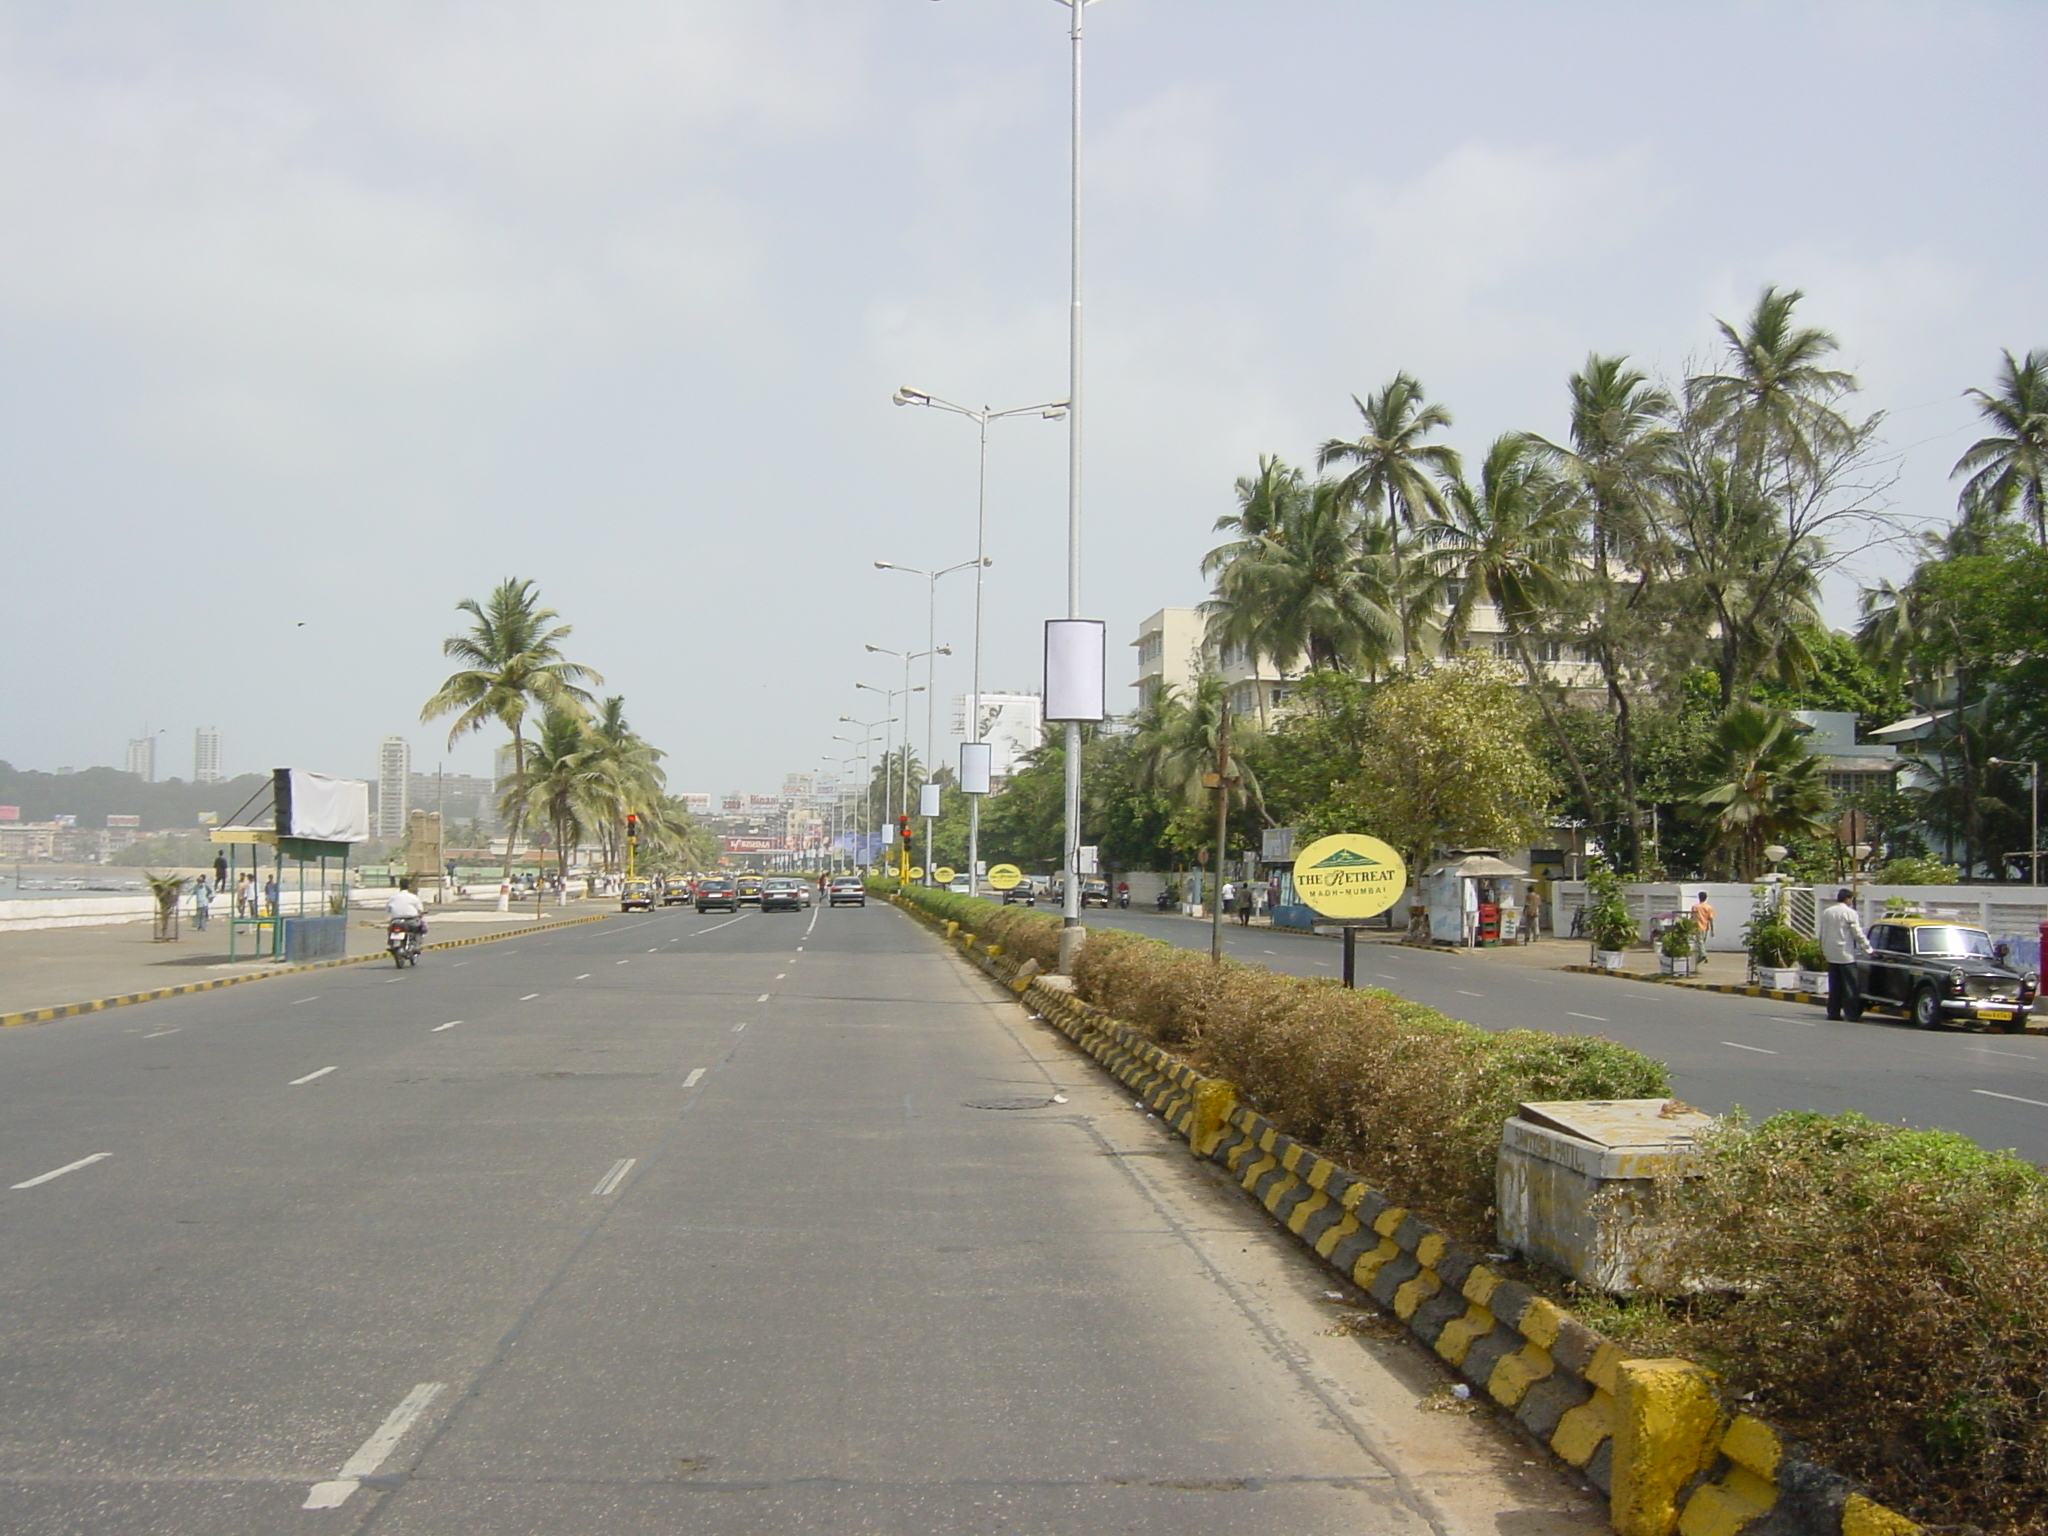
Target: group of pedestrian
1242, 903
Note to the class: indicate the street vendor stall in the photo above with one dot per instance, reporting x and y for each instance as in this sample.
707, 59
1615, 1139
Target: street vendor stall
1475, 899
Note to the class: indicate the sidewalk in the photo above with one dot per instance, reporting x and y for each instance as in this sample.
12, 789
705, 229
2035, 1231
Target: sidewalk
50, 967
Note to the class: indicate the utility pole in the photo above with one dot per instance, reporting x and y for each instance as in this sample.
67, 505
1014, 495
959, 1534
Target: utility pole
1223, 782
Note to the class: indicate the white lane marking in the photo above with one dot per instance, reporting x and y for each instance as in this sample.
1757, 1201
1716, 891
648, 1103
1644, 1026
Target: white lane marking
1778, 1018
799, 949
1985, 1050
295, 1082
1737, 1045
394, 981
2015, 1098
584, 977
171, 1031
782, 976
439, 1027
655, 951
504, 952
1383, 975
695, 1077
1463, 993
457, 964
529, 997
313, 999
366, 1461
1596, 1018
738, 1027
1269, 951
58, 1173
762, 998
611, 1181
814, 920
716, 926
622, 962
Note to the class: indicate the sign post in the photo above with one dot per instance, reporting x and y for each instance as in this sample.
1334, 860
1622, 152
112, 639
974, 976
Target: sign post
1349, 877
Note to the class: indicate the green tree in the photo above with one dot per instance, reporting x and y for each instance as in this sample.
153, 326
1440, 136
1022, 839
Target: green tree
2009, 469
513, 665
562, 785
1761, 786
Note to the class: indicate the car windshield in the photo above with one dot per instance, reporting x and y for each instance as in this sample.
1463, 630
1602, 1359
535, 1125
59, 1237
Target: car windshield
785, 885
1959, 942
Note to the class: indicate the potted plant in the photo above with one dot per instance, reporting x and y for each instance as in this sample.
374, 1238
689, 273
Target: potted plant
1775, 946
1676, 949
165, 890
1609, 923
1813, 969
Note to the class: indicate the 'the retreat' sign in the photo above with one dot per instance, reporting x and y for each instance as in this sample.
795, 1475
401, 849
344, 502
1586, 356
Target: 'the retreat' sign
1349, 876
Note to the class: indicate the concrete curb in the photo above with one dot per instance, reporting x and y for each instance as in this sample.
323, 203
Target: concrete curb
100, 1004
1743, 989
1650, 1434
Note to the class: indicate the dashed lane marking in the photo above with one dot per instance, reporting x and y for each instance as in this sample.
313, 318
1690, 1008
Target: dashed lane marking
2011, 1097
58, 1173
439, 1027
1596, 1018
612, 1180
313, 999
695, 1077
763, 997
310, 1076
1463, 993
738, 1027
171, 1031
365, 1462
1737, 1045
529, 997
584, 977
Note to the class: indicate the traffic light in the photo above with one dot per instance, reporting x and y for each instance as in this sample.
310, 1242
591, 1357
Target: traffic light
632, 825
903, 828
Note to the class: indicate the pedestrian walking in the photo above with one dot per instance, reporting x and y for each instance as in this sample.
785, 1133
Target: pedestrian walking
245, 894
1702, 927
1843, 946
202, 903
270, 896
1229, 897
220, 871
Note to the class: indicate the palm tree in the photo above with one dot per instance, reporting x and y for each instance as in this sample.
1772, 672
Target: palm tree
1510, 540
1266, 503
513, 664
562, 784
1761, 786
1394, 474
2011, 467
1774, 403
1302, 589
631, 769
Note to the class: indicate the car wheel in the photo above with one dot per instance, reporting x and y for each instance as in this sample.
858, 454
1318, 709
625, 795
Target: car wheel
1926, 1008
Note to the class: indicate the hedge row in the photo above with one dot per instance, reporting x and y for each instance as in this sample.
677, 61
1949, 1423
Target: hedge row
1880, 1292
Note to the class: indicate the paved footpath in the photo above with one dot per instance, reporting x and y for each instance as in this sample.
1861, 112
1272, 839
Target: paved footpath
49, 967
673, 1223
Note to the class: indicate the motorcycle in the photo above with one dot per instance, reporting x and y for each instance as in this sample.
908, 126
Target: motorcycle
1163, 901
402, 938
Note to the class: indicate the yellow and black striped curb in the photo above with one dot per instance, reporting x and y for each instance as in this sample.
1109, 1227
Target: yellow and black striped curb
1751, 989
1650, 1434
98, 1004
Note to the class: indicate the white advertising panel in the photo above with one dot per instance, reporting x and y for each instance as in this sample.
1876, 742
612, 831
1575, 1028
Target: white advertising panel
1075, 678
321, 807
928, 800
975, 762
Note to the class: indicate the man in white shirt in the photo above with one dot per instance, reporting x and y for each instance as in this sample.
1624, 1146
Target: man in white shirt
1843, 946
404, 904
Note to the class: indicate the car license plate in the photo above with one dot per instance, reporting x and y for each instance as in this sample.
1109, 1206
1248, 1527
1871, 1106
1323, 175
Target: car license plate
1995, 1015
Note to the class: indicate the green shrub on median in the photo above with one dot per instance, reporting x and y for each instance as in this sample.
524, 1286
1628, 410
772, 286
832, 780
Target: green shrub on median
1025, 935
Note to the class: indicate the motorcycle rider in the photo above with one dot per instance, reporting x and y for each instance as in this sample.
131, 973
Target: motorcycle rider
407, 908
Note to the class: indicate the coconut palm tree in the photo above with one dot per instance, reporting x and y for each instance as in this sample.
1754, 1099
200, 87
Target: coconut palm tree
1266, 502
563, 784
1761, 786
513, 666
1774, 403
2010, 468
1304, 590
632, 772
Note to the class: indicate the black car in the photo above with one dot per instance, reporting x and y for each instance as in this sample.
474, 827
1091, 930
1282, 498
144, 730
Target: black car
1939, 972
722, 894
637, 896
784, 896
1094, 893
1022, 894
675, 891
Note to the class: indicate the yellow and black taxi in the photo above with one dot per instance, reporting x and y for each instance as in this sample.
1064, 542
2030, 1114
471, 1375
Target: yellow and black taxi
1939, 972
749, 889
675, 891
636, 896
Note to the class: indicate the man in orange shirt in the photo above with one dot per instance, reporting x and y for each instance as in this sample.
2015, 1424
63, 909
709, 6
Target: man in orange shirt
1702, 926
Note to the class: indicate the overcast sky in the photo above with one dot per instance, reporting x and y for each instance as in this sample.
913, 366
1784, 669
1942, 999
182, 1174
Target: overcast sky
316, 318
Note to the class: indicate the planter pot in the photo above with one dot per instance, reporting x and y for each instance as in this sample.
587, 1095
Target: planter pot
1675, 965
1813, 981
1608, 959
1779, 978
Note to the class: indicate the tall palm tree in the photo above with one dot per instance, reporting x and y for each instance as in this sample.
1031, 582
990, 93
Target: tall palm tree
632, 772
2010, 468
1266, 503
1176, 744
1774, 403
513, 665
561, 784
1761, 786
1394, 475
1303, 590
1511, 540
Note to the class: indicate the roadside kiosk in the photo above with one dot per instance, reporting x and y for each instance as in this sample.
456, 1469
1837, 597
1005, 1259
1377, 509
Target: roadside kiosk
317, 821
1475, 899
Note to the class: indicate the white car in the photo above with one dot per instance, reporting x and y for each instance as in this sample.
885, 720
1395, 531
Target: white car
961, 886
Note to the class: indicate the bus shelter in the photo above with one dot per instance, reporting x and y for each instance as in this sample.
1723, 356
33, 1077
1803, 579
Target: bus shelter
307, 917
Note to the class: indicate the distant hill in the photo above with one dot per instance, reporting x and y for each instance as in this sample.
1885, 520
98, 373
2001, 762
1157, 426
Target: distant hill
94, 794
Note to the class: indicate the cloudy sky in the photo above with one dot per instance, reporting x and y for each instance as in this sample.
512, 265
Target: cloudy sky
316, 318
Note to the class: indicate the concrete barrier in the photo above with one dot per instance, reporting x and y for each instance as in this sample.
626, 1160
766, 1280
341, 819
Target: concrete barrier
1652, 1435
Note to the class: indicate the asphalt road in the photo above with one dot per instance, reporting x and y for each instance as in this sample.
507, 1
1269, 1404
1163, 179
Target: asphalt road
669, 1223
1724, 1051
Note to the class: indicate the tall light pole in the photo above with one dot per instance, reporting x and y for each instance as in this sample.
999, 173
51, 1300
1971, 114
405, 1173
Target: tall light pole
890, 696
906, 690
931, 692
867, 788
1052, 410
2034, 794
869, 727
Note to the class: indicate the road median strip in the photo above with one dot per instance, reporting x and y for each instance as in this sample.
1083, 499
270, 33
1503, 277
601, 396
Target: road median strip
183, 989
1650, 1434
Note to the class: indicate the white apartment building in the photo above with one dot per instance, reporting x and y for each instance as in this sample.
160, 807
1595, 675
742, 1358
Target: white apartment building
394, 775
141, 758
206, 755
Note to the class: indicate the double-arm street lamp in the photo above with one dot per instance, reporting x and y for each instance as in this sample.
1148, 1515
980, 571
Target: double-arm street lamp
905, 691
867, 787
931, 692
973, 754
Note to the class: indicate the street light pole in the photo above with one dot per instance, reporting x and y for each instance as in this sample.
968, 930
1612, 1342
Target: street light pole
1052, 410
2033, 794
932, 651
906, 690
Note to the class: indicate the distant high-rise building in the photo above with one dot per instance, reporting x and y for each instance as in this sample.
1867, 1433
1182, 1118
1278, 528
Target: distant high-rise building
206, 755
394, 769
142, 758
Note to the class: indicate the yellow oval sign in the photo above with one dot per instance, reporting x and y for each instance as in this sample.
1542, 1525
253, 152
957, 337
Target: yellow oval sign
943, 874
1005, 876
917, 871
1349, 876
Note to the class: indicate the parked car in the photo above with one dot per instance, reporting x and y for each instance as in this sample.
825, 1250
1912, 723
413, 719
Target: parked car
1939, 972
1022, 894
784, 895
722, 894
847, 891
675, 891
636, 896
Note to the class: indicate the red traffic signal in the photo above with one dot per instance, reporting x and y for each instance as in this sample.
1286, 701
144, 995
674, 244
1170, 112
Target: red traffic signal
632, 825
903, 827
